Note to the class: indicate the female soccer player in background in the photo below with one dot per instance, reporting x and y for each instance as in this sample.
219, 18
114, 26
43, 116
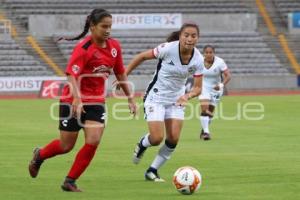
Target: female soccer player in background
83, 99
165, 96
212, 87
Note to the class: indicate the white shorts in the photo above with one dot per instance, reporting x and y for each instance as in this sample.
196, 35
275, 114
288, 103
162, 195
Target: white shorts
212, 95
158, 112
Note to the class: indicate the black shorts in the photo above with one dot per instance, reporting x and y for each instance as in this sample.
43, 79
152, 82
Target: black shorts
67, 122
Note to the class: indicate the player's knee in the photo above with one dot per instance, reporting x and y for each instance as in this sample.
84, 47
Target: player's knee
93, 141
67, 147
156, 140
173, 141
206, 113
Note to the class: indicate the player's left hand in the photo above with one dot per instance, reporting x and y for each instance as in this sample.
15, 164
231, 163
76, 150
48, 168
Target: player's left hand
219, 87
182, 101
132, 106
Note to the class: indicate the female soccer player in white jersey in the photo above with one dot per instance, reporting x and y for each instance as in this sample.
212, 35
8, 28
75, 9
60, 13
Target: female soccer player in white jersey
212, 87
165, 96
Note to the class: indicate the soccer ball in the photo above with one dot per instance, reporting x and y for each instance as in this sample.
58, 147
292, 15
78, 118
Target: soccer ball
187, 180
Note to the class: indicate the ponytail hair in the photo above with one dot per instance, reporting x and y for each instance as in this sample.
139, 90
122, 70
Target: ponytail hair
93, 19
175, 35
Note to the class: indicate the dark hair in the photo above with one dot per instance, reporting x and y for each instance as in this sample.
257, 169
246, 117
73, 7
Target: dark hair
209, 46
92, 19
175, 35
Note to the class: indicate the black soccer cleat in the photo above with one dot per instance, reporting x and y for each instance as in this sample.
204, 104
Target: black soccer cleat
35, 163
138, 153
70, 186
204, 136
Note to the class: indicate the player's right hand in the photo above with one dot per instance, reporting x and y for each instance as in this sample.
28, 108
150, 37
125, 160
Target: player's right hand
132, 106
182, 101
77, 107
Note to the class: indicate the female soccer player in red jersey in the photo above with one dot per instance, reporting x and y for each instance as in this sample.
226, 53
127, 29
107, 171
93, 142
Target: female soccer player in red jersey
82, 102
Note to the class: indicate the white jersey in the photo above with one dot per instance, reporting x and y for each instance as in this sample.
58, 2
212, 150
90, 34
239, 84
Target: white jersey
212, 76
168, 83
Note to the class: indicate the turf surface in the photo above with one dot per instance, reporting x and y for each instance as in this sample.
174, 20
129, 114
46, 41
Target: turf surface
247, 159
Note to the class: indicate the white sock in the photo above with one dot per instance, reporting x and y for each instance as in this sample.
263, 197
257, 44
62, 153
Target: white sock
163, 155
158, 161
145, 141
204, 123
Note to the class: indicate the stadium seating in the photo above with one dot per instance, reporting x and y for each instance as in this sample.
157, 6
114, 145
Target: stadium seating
286, 6
245, 53
22, 8
15, 61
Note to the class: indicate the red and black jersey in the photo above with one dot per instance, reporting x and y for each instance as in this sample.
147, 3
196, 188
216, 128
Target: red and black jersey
91, 65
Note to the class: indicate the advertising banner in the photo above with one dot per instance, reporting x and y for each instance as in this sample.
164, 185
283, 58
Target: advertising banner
147, 21
24, 84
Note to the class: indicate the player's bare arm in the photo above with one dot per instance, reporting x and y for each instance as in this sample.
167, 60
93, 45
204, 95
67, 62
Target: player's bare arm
138, 59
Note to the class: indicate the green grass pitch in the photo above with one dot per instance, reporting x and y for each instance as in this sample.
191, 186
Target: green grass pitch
247, 159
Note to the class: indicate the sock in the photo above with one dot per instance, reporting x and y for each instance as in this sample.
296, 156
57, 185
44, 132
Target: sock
52, 149
163, 155
151, 169
210, 120
82, 160
204, 123
70, 180
145, 141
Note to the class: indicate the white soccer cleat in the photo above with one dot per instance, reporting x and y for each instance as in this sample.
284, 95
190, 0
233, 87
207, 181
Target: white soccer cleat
151, 176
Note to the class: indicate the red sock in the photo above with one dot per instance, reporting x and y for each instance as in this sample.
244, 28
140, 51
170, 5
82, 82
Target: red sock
82, 160
51, 149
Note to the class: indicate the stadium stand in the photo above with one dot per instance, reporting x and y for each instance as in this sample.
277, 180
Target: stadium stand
22, 8
245, 53
286, 6
15, 61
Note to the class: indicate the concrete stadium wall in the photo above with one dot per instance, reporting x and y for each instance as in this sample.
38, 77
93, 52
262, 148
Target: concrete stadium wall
263, 82
48, 25
224, 22
238, 82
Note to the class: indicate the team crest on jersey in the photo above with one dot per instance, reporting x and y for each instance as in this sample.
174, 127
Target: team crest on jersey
114, 52
75, 69
192, 69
